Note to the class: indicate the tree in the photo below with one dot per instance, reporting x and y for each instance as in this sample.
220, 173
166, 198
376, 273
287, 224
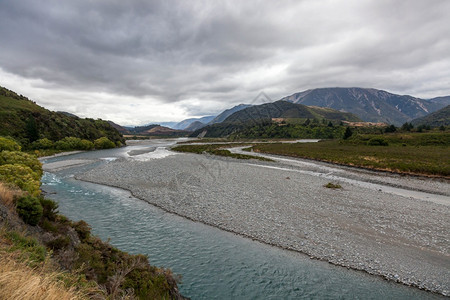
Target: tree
348, 133
390, 128
407, 126
32, 130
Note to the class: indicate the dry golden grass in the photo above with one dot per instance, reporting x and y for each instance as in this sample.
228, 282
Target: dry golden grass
18, 281
7, 195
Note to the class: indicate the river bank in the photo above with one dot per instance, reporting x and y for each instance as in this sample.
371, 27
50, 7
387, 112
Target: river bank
402, 239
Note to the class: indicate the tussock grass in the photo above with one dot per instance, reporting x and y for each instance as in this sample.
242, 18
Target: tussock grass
404, 158
20, 282
7, 195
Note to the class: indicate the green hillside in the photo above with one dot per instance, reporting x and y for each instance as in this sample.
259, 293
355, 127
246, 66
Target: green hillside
254, 121
26, 121
435, 119
284, 109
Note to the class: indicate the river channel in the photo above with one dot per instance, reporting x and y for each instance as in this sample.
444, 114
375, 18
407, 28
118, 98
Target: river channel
214, 264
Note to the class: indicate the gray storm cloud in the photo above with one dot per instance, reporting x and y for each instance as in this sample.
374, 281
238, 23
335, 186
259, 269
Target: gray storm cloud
186, 58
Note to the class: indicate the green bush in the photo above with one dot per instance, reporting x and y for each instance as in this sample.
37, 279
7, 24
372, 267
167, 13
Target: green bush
48, 226
103, 143
50, 208
83, 229
68, 143
8, 144
59, 243
86, 145
377, 141
29, 209
21, 158
42, 144
21, 176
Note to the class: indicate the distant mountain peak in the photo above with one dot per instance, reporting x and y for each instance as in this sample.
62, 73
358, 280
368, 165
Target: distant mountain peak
372, 105
228, 112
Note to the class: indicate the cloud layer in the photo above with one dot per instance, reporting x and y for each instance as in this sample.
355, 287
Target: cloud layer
140, 61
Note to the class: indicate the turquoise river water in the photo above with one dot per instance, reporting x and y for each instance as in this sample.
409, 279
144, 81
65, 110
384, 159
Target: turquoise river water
214, 264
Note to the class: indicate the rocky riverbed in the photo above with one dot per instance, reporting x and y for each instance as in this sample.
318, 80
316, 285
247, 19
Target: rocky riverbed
404, 239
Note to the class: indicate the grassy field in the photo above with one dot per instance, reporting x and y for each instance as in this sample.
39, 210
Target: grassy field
422, 154
217, 149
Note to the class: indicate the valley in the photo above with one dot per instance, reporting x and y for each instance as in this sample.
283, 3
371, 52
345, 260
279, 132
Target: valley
366, 225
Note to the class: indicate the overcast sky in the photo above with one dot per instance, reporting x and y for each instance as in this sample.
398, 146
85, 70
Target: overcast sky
136, 62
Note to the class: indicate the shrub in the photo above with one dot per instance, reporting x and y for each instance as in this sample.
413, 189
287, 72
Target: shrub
103, 143
68, 143
50, 208
48, 226
8, 144
21, 158
29, 209
83, 229
59, 243
331, 185
44, 143
377, 141
86, 145
22, 177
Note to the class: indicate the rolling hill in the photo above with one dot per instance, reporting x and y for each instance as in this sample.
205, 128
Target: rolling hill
26, 121
154, 130
435, 119
371, 105
284, 109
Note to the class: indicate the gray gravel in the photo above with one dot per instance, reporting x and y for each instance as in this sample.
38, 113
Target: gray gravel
401, 238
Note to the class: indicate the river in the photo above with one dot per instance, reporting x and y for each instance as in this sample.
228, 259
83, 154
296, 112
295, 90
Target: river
214, 264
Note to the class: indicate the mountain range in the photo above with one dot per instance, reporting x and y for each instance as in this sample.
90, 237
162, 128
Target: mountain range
185, 123
371, 105
193, 124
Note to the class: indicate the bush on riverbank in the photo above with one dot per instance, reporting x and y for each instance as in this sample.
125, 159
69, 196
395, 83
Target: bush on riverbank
29, 209
8, 144
103, 143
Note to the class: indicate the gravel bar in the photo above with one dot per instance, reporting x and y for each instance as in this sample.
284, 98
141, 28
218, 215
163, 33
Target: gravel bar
403, 239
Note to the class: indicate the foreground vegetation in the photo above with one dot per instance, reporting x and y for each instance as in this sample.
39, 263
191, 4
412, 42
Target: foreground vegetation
414, 153
44, 255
